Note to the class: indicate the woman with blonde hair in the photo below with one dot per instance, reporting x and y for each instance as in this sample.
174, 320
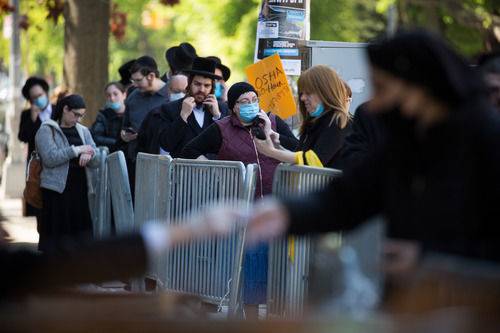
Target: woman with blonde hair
324, 108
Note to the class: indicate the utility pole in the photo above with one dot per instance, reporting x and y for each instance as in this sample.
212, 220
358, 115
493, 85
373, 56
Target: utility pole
13, 174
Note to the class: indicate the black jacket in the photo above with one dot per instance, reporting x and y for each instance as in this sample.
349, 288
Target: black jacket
324, 139
106, 128
366, 134
148, 139
440, 187
24, 271
28, 129
175, 133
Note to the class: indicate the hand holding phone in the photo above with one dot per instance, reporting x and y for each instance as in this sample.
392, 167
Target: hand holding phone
211, 105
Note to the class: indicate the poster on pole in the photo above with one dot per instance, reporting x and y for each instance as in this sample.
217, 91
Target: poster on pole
281, 24
269, 79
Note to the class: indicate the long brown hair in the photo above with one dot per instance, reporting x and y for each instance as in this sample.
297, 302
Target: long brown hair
331, 90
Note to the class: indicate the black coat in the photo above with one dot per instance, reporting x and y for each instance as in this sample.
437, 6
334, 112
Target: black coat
440, 187
325, 138
27, 130
175, 133
366, 134
148, 139
25, 271
106, 128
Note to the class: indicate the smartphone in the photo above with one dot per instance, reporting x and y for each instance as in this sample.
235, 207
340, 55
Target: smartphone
257, 130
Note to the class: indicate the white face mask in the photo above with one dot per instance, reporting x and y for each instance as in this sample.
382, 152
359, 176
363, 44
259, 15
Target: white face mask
176, 96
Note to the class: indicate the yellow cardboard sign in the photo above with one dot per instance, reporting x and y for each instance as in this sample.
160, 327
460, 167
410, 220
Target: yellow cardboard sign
269, 79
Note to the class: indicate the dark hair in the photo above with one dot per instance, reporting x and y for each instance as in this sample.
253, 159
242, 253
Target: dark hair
190, 80
145, 65
117, 84
71, 101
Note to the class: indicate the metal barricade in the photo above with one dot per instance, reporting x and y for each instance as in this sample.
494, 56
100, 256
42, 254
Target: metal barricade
209, 268
121, 197
99, 198
289, 258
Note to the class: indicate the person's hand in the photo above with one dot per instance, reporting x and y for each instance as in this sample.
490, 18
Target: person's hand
86, 149
267, 122
211, 101
268, 219
127, 136
400, 257
84, 159
34, 112
4, 235
275, 138
265, 147
188, 105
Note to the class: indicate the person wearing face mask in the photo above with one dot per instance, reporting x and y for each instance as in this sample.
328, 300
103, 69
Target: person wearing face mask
108, 123
324, 107
233, 137
35, 91
66, 150
223, 71
148, 138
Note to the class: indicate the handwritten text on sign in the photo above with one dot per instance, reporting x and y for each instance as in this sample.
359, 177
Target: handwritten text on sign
270, 81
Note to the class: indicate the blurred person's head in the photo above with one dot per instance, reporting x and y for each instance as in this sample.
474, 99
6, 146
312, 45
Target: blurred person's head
115, 96
69, 110
180, 57
489, 66
144, 74
322, 93
124, 72
243, 101
202, 79
349, 95
177, 86
419, 74
36, 91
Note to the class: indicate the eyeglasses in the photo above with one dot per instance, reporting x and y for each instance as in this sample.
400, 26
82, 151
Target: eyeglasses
137, 80
247, 101
78, 115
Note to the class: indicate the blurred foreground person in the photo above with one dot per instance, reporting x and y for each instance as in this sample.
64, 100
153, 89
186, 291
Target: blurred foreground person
123, 257
489, 66
435, 178
66, 150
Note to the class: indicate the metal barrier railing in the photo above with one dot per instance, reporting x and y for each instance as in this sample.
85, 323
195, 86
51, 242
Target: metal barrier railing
208, 268
99, 199
289, 258
121, 196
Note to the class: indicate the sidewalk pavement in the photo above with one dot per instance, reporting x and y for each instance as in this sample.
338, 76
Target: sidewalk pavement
22, 229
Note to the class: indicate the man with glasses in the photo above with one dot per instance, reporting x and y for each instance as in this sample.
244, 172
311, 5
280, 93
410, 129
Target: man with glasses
149, 94
186, 118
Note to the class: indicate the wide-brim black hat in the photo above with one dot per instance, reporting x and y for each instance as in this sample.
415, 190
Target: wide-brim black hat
226, 72
204, 67
124, 71
31, 82
180, 57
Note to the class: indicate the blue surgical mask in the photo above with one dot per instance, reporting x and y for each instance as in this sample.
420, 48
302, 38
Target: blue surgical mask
248, 112
219, 89
115, 106
176, 96
318, 111
41, 102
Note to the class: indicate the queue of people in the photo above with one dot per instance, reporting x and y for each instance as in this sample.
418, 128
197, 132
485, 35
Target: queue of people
424, 151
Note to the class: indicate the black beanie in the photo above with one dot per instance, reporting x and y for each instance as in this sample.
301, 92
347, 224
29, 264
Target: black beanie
236, 91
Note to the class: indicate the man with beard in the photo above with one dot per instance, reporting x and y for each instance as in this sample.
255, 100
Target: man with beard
189, 116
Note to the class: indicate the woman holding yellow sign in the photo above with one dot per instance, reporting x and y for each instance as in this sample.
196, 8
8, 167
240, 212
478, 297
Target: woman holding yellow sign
324, 107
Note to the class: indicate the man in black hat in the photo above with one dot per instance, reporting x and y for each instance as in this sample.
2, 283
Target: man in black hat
35, 91
179, 59
189, 116
220, 90
124, 72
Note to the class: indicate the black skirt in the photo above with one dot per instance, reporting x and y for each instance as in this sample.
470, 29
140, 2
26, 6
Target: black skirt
65, 217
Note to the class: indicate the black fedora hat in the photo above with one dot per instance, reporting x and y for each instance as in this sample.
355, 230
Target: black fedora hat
124, 71
204, 67
180, 57
226, 72
31, 82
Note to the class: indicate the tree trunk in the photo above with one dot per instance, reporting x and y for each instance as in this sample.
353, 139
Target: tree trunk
86, 35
